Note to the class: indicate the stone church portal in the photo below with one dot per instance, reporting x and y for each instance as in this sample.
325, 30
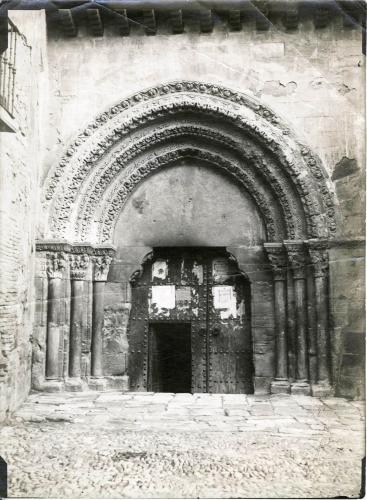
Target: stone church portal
181, 170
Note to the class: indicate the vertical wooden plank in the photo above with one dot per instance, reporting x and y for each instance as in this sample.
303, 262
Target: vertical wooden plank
137, 337
198, 323
230, 353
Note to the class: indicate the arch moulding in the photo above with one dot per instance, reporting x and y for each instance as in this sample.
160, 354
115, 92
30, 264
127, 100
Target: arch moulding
84, 194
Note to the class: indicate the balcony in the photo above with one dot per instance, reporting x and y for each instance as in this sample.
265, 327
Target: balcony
8, 49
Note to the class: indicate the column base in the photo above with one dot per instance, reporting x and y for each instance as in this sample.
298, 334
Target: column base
75, 384
97, 383
301, 388
262, 385
51, 386
280, 386
118, 382
322, 390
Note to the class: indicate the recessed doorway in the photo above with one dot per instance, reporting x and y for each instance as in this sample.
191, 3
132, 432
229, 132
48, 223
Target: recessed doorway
169, 357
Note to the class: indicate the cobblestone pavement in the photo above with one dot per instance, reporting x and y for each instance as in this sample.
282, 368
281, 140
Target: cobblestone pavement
100, 445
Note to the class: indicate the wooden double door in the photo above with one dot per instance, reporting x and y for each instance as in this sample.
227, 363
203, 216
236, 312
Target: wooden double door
190, 323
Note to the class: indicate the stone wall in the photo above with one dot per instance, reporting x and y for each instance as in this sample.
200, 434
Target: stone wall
314, 79
20, 160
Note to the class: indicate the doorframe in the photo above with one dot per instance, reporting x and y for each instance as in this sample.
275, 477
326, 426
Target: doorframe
148, 361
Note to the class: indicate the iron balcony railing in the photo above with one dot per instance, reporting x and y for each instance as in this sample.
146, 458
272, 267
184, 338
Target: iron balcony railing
8, 70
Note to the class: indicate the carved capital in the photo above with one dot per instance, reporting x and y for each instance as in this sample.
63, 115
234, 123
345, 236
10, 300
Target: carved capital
101, 267
318, 251
297, 258
56, 263
79, 266
278, 260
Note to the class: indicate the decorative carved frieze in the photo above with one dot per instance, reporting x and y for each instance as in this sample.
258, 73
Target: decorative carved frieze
53, 246
215, 101
297, 258
278, 259
109, 217
56, 264
104, 250
79, 265
318, 251
106, 174
74, 248
351, 10
101, 266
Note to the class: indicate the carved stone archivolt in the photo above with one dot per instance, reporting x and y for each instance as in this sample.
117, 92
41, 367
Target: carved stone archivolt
129, 161
126, 133
121, 193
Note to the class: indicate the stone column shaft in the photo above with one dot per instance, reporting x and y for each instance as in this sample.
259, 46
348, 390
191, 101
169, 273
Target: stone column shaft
97, 327
277, 260
322, 320
281, 328
319, 259
53, 328
101, 267
300, 295
76, 327
56, 263
312, 341
78, 271
297, 259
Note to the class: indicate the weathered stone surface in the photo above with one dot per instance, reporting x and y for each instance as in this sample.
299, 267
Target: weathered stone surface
157, 452
346, 166
20, 166
138, 159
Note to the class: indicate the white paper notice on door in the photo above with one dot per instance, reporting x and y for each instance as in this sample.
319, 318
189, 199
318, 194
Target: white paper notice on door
225, 299
164, 296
